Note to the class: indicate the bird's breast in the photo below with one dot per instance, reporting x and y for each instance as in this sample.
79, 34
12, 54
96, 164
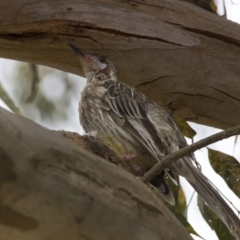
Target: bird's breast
93, 115
95, 118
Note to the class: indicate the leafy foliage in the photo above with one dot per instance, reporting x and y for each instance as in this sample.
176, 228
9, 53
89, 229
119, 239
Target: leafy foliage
227, 167
46, 95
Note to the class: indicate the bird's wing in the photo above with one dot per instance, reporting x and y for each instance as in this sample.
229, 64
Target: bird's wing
130, 109
156, 130
148, 123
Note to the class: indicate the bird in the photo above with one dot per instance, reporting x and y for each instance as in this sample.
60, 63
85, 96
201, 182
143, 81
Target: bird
135, 127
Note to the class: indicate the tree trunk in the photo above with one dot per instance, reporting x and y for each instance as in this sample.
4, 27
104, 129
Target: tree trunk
183, 57
52, 189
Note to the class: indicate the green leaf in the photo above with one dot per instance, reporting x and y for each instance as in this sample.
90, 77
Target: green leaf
213, 6
185, 128
179, 208
227, 167
213, 221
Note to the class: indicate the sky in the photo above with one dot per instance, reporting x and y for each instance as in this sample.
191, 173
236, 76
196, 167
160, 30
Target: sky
226, 146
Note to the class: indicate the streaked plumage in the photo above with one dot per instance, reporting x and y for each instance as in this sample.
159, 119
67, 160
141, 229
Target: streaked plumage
130, 123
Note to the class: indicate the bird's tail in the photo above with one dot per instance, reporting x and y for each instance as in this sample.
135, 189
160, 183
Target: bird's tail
214, 200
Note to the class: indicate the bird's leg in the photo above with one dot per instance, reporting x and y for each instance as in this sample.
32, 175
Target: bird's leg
129, 157
136, 170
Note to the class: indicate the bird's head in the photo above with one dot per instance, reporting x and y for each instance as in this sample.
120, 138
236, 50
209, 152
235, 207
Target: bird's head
95, 66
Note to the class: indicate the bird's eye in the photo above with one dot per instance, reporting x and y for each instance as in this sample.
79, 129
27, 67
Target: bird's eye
102, 59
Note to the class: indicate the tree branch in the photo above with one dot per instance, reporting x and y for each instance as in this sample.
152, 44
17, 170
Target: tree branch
51, 188
173, 157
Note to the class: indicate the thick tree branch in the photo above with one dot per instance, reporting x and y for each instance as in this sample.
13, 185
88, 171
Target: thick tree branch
173, 157
51, 188
180, 55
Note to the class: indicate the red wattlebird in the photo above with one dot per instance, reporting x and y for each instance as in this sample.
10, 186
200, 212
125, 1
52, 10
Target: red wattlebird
133, 125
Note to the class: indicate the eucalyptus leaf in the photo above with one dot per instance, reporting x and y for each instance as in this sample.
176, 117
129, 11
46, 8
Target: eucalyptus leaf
185, 128
227, 167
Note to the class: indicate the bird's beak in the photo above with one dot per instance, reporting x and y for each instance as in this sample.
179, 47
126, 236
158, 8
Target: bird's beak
77, 50
84, 57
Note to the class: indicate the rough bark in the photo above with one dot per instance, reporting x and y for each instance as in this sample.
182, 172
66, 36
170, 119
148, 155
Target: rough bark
51, 188
183, 57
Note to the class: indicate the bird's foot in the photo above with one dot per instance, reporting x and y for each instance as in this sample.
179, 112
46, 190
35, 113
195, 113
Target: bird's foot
129, 157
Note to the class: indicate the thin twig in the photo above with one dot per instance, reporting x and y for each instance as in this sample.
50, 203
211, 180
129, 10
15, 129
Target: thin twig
173, 157
35, 82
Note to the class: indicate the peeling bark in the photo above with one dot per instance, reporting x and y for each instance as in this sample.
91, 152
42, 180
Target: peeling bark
183, 57
51, 188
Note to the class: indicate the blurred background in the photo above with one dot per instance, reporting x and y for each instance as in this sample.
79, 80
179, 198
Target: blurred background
50, 97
